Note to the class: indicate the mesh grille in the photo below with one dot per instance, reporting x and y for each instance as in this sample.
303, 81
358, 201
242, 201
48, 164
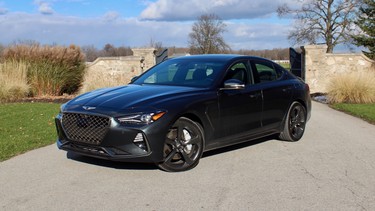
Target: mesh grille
85, 128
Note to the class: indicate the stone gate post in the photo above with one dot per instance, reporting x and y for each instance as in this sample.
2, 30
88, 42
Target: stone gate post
149, 57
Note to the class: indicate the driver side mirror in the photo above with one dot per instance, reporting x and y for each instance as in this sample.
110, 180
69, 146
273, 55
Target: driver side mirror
233, 84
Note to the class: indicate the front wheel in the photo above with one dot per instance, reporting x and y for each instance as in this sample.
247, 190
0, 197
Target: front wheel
183, 146
295, 123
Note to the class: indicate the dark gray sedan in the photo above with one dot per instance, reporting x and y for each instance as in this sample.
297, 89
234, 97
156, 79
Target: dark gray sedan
183, 107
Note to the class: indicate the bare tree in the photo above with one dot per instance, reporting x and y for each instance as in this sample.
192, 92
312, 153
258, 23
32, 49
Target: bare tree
328, 21
90, 52
157, 45
109, 50
206, 36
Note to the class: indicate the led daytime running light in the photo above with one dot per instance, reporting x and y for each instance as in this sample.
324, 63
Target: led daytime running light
146, 118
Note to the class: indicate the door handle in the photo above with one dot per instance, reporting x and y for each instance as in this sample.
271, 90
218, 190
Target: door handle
287, 89
256, 95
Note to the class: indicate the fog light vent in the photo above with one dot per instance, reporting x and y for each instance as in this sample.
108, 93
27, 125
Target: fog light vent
140, 142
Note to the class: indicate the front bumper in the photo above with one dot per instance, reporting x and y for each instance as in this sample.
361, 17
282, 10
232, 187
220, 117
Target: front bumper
118, 143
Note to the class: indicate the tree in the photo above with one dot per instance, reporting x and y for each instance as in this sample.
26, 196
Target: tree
206, 36
157, 45
330, 21
90, 52
366, 22
109, 50
1, 49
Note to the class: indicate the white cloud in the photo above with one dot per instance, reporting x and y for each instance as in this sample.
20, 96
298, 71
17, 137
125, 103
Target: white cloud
257, 36
132, 32
44, 7
111, 16
3, 10
176, 10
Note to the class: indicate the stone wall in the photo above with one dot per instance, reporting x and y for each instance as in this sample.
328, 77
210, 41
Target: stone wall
129, 66
320, 66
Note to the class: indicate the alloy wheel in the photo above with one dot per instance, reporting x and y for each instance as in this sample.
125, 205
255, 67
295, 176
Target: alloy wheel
183, 146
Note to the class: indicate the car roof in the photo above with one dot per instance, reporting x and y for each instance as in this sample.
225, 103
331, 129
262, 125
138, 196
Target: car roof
221, 57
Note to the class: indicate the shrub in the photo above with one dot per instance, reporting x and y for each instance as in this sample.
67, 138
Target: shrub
352, 88
13, 81
51, 70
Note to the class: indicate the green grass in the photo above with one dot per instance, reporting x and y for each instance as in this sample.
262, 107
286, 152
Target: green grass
285, 65
26, 126
363, 111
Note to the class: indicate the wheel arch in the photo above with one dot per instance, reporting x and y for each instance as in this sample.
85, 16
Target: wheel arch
194, 118
205, 126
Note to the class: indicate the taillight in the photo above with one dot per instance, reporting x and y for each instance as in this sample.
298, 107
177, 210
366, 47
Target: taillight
307, 87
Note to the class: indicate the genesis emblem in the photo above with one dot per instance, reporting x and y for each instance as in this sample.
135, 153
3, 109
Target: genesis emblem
87, 108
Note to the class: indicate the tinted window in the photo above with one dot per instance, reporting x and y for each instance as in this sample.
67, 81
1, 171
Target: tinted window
266, 71
182, 72
240, 72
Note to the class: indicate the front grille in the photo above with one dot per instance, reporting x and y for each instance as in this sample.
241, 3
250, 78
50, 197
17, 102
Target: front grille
85, 128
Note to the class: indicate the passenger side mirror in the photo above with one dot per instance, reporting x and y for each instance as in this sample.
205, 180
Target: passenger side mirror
233, 84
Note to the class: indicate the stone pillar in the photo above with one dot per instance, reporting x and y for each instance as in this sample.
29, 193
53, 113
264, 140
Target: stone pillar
313, 57
148, 55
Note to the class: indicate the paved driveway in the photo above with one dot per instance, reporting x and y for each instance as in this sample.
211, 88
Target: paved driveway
331, 168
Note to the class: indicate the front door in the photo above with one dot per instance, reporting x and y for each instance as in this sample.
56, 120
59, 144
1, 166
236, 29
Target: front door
240, 110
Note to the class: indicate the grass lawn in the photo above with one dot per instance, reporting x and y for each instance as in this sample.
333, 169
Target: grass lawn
285, 65
364, 111
26, 126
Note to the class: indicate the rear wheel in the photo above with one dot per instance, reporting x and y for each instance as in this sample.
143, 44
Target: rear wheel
295, 123
183, 146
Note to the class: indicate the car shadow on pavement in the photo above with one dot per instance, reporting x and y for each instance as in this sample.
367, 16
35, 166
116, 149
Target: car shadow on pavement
150, 166
110, 163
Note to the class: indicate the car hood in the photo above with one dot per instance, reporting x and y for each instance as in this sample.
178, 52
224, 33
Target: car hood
130, 97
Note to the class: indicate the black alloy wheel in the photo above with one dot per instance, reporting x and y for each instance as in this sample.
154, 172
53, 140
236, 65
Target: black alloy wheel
295, 123
183, 146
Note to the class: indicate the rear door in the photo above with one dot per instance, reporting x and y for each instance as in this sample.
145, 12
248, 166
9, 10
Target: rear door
277, 92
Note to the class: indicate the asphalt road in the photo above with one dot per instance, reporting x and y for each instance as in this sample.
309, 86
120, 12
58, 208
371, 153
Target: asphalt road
331, 168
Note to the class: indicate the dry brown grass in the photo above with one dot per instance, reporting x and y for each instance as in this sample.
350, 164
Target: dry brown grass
13, 81
352, 88
96, 80
51, 70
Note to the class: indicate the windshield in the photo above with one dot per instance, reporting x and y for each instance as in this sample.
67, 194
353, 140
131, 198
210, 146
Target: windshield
182, 72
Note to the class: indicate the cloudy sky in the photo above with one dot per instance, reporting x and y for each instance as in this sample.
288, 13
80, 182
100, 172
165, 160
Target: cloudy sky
250, 24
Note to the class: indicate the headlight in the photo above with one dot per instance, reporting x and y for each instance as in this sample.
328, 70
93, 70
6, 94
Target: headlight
141, 118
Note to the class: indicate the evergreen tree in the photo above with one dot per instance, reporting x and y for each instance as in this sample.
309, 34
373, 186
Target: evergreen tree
366, 21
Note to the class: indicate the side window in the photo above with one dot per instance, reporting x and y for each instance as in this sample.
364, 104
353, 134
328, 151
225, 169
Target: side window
279, 71
266, 71
240, 72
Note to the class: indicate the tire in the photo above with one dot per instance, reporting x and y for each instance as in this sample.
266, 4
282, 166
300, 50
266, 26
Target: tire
295, 123
183, 146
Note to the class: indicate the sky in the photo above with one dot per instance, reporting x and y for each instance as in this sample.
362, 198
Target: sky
250, 24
